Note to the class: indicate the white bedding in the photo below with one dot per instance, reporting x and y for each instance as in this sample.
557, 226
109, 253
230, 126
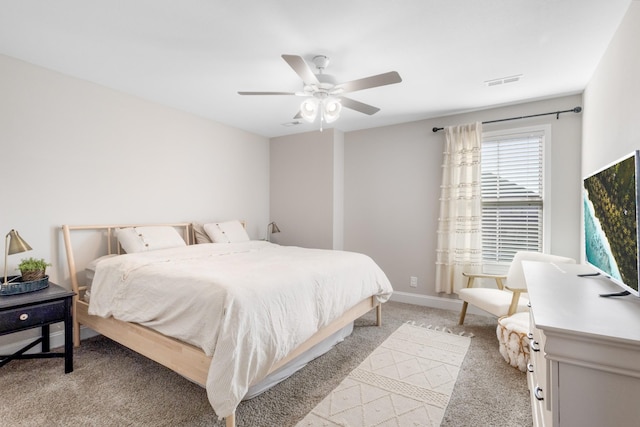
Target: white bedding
245, 304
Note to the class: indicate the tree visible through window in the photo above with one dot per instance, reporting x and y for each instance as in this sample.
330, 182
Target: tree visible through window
512, 197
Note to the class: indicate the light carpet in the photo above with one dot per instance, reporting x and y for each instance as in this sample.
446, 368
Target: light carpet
406, 381
112, 386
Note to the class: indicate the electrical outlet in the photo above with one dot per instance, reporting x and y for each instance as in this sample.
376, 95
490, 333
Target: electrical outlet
414, 282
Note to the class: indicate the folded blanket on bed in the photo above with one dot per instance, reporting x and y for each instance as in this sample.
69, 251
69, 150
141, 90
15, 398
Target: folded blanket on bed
246, 304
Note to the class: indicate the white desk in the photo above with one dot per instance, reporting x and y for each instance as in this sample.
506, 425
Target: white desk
587, 369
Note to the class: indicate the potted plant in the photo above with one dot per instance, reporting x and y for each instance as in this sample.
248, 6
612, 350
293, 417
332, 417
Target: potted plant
32, 269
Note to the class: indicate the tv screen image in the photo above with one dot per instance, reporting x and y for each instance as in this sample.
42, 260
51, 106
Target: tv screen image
610, 198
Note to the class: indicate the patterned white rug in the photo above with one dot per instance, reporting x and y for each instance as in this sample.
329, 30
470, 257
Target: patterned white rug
406, 381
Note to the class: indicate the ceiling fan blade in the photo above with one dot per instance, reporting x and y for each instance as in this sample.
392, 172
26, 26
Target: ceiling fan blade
301, 68
358, 106
298, 116
368, 82
266, 93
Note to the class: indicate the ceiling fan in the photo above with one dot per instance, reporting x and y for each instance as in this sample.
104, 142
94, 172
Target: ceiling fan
324, 94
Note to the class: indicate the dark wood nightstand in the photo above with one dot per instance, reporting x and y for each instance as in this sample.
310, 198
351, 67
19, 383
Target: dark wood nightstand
38, 309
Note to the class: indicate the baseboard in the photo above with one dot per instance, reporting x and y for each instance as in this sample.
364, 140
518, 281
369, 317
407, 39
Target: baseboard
56, 340
434, 302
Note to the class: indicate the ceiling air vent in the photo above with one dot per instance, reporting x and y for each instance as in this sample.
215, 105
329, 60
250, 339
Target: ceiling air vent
289, 124
503, 80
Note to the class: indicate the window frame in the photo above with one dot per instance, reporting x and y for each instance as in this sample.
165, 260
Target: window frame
545, 130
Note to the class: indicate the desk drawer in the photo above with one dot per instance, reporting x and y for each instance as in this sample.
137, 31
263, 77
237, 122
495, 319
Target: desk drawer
31, 316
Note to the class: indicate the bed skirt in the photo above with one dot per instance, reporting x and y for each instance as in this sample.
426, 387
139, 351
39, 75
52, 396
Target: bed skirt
299, 362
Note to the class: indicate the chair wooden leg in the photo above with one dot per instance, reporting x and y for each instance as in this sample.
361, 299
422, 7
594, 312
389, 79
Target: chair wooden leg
463, 313
515, 299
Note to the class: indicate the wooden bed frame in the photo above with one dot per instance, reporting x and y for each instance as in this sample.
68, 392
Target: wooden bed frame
185, 359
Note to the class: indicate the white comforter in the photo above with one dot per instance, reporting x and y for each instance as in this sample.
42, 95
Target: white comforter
245, 304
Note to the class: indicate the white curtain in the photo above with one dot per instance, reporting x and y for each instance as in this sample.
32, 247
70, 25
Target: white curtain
459, 245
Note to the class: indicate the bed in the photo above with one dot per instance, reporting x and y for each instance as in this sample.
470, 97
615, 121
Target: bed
224, 315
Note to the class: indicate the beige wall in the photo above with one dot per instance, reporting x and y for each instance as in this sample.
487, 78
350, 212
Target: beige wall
611, 124
306, 189
338, 190
77, 153
392, 187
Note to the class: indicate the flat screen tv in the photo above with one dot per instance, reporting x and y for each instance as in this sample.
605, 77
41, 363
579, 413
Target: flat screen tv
610, 198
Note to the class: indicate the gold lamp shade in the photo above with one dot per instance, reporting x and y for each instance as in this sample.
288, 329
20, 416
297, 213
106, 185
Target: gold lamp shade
271, 228
274, 228
13, 244
16, 243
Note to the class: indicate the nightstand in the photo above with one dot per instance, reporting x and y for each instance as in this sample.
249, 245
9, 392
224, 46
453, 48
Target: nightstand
38, 309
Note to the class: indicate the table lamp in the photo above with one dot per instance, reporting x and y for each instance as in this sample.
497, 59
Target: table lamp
271, 228
13, 244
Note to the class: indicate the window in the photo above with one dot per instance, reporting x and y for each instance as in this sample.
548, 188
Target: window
512, 196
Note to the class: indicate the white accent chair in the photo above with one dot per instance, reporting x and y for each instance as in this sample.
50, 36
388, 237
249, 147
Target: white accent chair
506, 299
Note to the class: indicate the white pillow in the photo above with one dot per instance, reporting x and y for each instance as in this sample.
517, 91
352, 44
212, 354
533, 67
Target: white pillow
143, 239
201, 235
226, 232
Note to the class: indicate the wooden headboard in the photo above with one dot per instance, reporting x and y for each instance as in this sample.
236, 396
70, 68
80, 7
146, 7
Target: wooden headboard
108, 238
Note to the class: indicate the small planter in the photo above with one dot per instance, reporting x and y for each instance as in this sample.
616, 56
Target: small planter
20, 286
32, 269
32, 275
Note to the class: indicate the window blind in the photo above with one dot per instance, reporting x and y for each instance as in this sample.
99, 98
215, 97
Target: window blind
512, 197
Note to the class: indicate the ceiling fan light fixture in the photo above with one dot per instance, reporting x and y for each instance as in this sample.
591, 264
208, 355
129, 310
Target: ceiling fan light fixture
331, 108
324, 92
309, 109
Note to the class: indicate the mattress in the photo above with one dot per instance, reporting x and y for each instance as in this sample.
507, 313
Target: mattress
247, 305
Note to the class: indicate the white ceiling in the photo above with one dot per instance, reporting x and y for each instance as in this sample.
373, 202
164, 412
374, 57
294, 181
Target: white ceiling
195, 55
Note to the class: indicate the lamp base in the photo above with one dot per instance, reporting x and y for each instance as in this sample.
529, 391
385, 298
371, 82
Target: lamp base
16, 286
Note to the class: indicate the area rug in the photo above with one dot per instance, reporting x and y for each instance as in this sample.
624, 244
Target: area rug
406, 381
